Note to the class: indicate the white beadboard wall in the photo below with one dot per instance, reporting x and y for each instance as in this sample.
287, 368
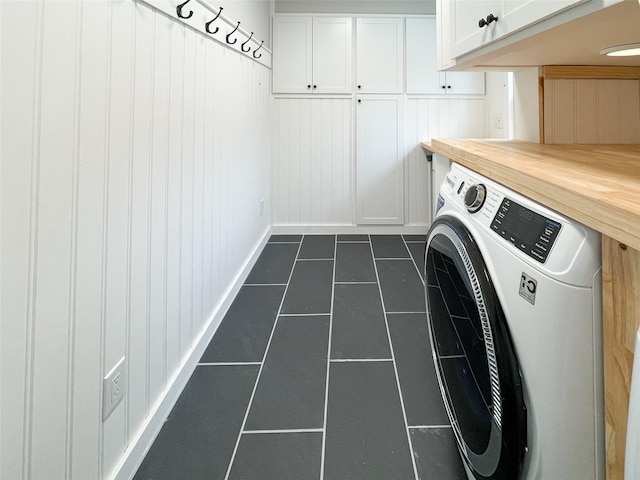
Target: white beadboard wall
591, 111
313, 165
135, 153
314, 157
427, 118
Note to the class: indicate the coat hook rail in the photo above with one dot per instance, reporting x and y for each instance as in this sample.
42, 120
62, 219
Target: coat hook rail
207, 26
231, 33
248, 40
256, 50
179, 10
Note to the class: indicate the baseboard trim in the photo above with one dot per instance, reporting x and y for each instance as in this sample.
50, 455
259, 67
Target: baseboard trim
350, 229
141, 443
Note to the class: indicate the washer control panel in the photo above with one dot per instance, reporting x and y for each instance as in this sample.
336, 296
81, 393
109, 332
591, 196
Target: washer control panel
530, 232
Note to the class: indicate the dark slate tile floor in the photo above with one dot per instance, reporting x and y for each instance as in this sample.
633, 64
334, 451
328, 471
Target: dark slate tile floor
321, 369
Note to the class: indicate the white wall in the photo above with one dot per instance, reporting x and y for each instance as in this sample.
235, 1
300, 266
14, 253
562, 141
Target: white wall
255, 16
134, 156
498, 111
526, 105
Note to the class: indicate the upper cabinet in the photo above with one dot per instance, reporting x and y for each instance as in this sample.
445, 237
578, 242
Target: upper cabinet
511, 33
379, 55
422, 74
312, 55
473, 24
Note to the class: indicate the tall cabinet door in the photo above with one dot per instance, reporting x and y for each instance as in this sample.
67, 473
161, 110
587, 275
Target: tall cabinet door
379, 55
292, 50
332, 45
379, 160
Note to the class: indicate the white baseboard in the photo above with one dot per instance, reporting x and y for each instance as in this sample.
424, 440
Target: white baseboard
140, 444
350, 229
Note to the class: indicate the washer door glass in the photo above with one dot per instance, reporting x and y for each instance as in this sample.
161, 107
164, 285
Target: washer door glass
476, 364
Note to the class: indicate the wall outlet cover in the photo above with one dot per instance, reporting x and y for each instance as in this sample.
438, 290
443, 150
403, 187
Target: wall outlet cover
113, 388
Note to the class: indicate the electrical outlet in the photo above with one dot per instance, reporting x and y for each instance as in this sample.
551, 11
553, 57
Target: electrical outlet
113, 388
498, 121
261, 206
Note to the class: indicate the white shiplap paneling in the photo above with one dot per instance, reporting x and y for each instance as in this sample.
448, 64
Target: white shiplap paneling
312, 179
314, 162
427, 118
591, 111
135, 153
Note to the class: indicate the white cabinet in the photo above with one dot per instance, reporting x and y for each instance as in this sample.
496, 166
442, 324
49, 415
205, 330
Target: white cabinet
466, 22
422, 69
379, 55
312, 55
379, 159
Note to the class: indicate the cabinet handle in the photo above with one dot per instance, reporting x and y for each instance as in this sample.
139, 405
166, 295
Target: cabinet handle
315, 86
359, 101
490, 19
308, 86
448, 86
443, 87
359, 87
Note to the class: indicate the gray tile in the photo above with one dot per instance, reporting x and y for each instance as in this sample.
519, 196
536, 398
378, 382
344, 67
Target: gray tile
291, 389
274, 263
354, 263
359, 329
417, 253
366, 436
318, 246
353, 238
436, 454
416, 371
310, 288
278, 456
198, 437
285, 238
415, 238
402, 289
389, 246
243, 334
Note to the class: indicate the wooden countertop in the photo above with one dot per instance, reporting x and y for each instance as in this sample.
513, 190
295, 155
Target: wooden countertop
598, 185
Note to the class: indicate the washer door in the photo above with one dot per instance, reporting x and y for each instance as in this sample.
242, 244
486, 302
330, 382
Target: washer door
475, 360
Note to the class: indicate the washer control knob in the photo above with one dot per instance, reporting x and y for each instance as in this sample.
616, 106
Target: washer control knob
475, 197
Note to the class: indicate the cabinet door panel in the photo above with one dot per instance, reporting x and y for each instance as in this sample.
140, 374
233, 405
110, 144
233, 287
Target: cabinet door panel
517, 14
464, 83
422, 70
292, 55
379, 160
379, 55
332, 55
465, 33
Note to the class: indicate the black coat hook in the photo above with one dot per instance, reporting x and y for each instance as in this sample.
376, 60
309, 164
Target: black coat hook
248, 48
231, 33
256, 50
179, 10
208, 24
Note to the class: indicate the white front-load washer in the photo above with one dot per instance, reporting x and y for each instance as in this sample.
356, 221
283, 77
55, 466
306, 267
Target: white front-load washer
514, 305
